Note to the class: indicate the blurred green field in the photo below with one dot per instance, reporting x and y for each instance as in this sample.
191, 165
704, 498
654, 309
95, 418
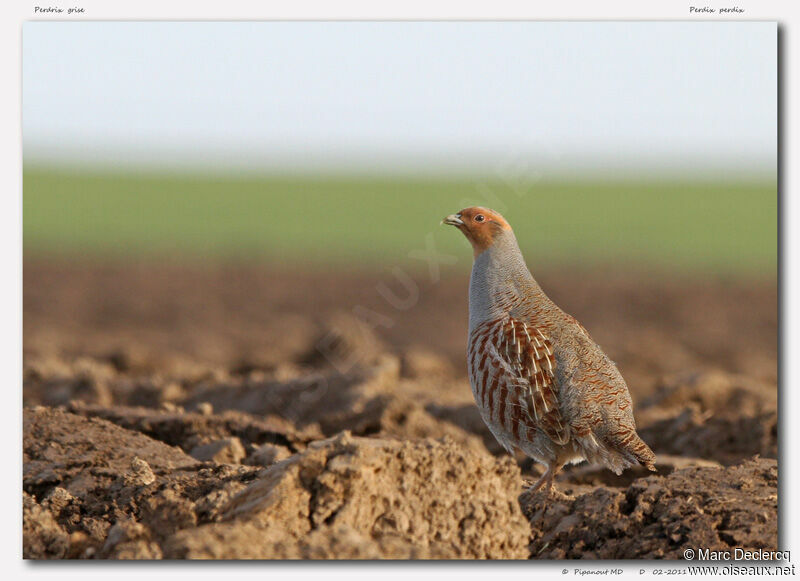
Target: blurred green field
729, 227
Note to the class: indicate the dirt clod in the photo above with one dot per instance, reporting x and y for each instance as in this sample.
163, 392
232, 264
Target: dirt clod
140, 474
657, 517
268, 454
42, 536
227, 451
432, 495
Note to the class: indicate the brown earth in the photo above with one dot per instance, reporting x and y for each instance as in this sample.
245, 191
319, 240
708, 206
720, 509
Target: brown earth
250, 411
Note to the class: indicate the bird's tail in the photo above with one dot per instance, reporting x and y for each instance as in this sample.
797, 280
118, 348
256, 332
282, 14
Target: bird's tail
642, 452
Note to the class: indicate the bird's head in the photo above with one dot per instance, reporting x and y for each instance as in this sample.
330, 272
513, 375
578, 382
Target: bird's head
481, 226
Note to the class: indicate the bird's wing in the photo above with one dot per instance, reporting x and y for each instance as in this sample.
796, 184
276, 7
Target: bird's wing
604, 388
528, 351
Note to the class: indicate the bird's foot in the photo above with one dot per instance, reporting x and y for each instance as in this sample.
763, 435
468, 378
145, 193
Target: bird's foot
555, 494
550, 492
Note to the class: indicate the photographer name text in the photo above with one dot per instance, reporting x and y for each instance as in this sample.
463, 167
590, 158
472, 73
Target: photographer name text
736, 555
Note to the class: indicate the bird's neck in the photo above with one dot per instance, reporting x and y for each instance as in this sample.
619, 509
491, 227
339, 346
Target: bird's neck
500, 282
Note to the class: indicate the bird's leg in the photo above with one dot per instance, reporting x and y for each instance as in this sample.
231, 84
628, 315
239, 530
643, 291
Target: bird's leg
546, 481
546, 478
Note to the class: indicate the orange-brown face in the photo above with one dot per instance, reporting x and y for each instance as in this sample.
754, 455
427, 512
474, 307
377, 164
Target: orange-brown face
481, 226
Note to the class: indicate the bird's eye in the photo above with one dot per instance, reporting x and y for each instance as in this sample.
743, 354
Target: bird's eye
479, 218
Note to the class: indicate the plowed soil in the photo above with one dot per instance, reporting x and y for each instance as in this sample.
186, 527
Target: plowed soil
253, 411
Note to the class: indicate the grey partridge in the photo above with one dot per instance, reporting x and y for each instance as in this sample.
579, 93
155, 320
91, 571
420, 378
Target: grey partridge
540, 382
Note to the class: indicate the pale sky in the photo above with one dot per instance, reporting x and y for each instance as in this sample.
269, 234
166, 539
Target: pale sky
402, 94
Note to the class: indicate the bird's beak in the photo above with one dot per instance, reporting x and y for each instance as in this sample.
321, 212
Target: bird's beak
453, 220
